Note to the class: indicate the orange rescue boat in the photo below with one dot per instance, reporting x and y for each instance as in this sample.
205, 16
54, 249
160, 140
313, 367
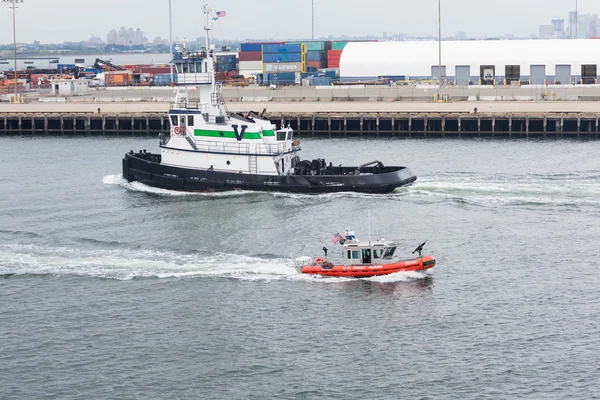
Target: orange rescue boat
364, 259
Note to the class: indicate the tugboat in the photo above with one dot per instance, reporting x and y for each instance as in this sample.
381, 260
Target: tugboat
364, 259
210, 149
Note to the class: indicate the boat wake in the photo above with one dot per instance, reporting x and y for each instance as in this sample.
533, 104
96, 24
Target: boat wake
140, 187
126, 264
534, 190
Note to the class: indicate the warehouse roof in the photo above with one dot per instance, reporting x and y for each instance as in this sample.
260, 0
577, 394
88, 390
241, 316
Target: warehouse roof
373, 59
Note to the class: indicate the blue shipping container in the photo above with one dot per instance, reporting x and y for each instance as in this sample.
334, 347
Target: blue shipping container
251, 47
226, 59
315, 56
282, 57
284, 78
62, 67
282, 48
226, 67
320, 81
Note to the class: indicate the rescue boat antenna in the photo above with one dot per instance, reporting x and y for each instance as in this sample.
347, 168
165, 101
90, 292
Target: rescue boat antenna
369, 227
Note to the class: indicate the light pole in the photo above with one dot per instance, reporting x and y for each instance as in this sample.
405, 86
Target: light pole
313, 19
14, 45
440, 46
576, 21
170, 40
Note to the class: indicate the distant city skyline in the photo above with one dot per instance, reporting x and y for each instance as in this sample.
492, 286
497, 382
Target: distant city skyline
51, 22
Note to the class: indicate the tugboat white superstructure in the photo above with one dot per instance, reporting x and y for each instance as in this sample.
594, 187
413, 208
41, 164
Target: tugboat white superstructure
209, 149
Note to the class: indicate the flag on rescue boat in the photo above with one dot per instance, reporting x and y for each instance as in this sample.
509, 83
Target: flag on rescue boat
336, 237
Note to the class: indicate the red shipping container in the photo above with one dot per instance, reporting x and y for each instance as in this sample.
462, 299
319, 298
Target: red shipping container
333, 64
316, 64
155, 70
334, 54
250, 56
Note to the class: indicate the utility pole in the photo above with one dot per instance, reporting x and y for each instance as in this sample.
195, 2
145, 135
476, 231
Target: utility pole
170, 40
14, 45
313, 19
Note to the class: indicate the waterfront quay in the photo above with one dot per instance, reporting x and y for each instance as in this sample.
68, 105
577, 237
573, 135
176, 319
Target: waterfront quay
327, 119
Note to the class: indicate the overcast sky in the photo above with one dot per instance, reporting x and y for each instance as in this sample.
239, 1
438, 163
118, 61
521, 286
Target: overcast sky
58, 21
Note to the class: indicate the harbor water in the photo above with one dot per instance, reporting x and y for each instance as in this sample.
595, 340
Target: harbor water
119, 291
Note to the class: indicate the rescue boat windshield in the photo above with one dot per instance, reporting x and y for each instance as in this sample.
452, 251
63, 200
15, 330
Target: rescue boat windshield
389, 252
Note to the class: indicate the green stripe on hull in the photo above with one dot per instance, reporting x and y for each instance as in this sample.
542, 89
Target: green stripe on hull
268, 133
225, 134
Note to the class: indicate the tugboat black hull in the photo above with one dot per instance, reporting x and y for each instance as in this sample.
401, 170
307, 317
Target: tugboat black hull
147, 169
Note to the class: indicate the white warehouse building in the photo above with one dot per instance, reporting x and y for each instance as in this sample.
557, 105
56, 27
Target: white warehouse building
475, 61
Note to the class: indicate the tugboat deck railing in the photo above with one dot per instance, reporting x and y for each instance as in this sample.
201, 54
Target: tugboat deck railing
239, 148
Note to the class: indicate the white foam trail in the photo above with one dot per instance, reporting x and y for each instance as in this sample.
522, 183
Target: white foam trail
129, 264
140, 187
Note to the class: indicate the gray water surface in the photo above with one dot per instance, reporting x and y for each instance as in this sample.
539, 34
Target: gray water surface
120, 291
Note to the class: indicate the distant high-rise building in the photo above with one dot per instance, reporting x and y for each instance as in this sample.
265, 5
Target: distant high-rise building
385, 35
587, 25
95, 40
461, 35
546, 32
559, 27
112, 37
572, 24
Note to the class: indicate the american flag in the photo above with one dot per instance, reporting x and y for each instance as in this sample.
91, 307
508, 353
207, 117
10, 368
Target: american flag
221, 14
336, 237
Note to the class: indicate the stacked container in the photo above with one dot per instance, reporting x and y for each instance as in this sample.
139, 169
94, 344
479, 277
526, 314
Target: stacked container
333, 58
251, 59
282, 58
226, 63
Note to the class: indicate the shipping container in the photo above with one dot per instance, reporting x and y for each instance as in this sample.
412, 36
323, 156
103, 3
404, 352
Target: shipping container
315, 55
284, 78
251, 56
229, 59
250, 65
311, 46
63, 67
284, 48
118, 78
338, 45
320, 81
282, 57
225, 67
164, 79
251, 47
284, 67
156, 70
311, 69
315, 64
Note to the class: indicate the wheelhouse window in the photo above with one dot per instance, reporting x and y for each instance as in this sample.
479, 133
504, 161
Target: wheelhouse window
389, 252
280, 136
193, 68
378, 253
178, 68
289, 135
198, 67
190, 120
174, 120
356, 254
185, 68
